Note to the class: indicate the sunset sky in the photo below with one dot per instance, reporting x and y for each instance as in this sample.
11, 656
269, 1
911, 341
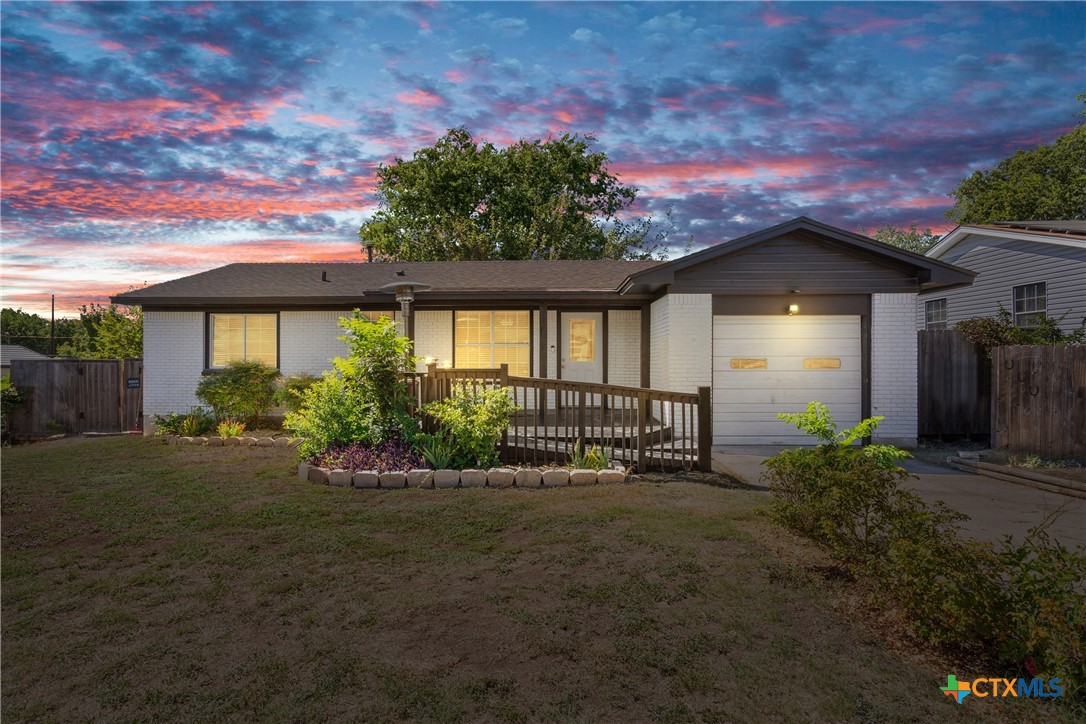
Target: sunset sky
143, 142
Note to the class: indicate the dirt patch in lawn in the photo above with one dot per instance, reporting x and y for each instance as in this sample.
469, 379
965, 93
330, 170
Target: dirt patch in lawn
177, 583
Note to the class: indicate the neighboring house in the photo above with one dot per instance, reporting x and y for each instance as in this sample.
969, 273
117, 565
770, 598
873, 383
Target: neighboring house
770, 321
1028, 267
8, 352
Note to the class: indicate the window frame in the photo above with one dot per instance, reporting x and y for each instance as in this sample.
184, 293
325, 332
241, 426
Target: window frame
929, 324
209, 342
492, 345
1043, 310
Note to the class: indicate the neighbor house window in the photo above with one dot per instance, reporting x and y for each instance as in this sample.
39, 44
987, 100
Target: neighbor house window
935, 314
490, 339
1030, 304
244, 337
374, 316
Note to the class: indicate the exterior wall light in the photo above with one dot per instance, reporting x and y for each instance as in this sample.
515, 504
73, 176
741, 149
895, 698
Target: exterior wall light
793, 309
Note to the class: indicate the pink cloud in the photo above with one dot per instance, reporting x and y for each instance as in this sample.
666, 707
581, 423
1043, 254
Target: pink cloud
420, 98
212, 48
319, 119
775, 19
455, 75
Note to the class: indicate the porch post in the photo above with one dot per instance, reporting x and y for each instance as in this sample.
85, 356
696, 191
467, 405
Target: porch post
543, 346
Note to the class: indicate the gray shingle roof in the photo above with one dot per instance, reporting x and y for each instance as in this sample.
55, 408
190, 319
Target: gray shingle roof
304, 282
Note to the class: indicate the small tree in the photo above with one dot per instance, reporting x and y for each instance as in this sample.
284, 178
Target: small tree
912, 239
106, 332
1000, 331
243, 391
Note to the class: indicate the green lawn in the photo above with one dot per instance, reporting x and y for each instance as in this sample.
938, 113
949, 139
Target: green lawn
152, 582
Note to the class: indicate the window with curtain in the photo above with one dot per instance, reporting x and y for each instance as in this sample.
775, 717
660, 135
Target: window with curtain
244, 337
1030, 304
490, 339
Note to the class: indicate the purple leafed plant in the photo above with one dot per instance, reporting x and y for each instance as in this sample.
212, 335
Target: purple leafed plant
386, 457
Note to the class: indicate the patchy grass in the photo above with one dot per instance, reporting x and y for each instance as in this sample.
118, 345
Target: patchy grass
152, 582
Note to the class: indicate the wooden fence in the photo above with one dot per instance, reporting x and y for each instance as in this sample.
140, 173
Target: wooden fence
954, 385
77, 396
649, 429
1040, 401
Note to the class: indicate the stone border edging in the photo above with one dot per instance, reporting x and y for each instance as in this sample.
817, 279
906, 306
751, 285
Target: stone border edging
1047, 483
532, 478
246, 441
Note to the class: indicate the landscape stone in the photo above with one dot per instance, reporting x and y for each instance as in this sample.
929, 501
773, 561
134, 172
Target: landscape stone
265, 442
446, 478
500, 477
199, 440
282, 441
185, 440
472, 478
366, 479
611, 476
232, 441
555, 477
303, 471
214, 442
582, 476
319, 475
340, 478
528, 478
295, 442
248, 441
420, 478
393, 480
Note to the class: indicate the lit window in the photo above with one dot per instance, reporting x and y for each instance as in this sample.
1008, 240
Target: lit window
1030, 304
935, 314
243, 337
490, 339
374, 316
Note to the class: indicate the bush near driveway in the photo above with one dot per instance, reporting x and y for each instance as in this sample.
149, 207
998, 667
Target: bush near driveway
1020, 604
178, 583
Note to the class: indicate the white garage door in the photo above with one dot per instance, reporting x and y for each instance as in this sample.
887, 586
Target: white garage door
764, 365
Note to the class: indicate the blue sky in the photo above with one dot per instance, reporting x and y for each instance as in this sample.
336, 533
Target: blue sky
143, 142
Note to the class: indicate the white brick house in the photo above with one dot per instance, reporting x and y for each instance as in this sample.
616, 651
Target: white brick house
768, 321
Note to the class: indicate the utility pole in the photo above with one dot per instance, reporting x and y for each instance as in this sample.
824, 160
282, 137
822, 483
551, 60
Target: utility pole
52, 325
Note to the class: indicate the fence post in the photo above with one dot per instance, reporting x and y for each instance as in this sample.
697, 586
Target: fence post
430, 383
642, 437
705, 430
582, 425
503, 375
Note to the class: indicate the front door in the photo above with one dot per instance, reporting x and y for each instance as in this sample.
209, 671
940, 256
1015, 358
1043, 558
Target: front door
582, 352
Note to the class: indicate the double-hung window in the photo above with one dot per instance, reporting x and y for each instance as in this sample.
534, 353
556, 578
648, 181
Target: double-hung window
1030, 304
490, 339
935, 314
243, 337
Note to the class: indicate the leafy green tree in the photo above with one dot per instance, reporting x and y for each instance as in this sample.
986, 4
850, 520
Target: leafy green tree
1045, 182
912, 239
32, 330
106, 332
462, 200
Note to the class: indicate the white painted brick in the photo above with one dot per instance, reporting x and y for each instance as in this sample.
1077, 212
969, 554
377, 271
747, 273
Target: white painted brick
624, 347
893, 366
434, 337
173, 361
309, 340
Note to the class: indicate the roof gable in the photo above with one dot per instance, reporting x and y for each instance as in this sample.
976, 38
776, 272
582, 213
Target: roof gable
797, 254
1060, 233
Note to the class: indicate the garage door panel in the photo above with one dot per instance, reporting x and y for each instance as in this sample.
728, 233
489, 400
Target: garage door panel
746, 401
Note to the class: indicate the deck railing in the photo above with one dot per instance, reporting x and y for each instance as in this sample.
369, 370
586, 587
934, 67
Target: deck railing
637, 426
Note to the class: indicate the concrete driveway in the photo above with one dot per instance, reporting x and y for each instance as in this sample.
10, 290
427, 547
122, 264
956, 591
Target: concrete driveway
995, 507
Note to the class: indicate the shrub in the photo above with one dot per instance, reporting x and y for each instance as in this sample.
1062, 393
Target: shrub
230, 428
438, 451
364, 398
10, 398
292, 392
168, 424
198, 422
384, 457
333, 413
241, 391
473, 420
1000, 330
1019, 603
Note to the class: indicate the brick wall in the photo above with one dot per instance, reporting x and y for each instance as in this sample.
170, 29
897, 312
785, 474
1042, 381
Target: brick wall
658, 343
893, 366
434, 336
173, 361
690, 350
309, 340
624, 347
